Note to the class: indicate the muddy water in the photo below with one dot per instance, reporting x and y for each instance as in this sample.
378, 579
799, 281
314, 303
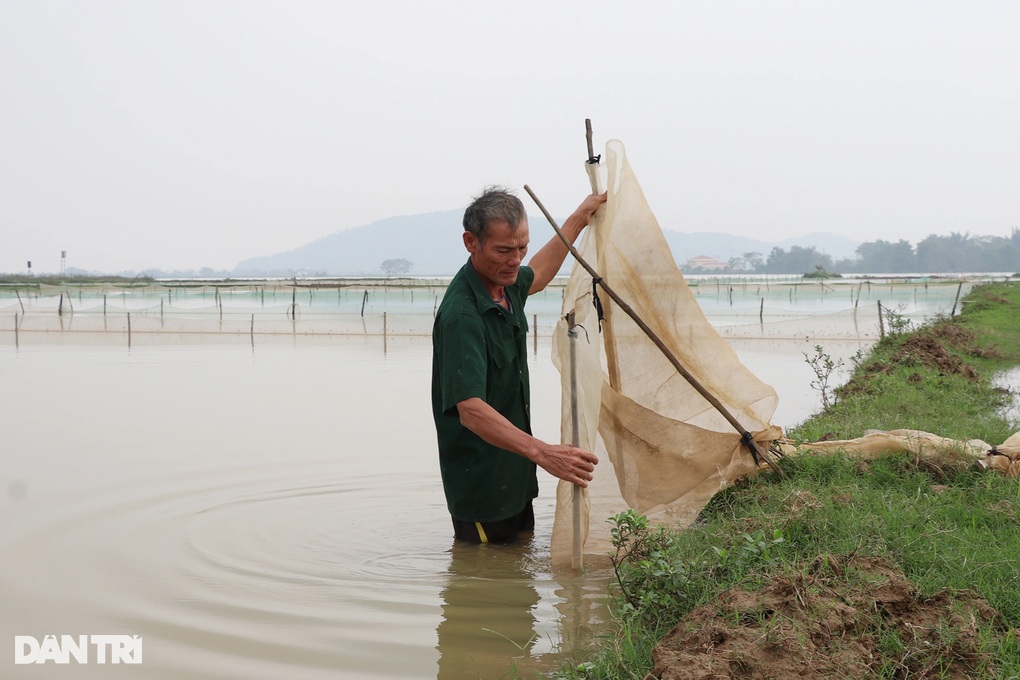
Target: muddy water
272, 512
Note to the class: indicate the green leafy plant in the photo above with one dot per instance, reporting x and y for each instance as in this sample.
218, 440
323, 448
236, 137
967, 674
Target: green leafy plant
895, 321
824, 366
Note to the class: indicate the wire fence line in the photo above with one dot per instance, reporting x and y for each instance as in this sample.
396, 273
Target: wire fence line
748, 307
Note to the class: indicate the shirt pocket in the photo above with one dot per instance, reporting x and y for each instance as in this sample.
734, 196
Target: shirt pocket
503, 365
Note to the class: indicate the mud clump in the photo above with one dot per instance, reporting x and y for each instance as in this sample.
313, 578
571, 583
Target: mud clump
928, 349
836, 616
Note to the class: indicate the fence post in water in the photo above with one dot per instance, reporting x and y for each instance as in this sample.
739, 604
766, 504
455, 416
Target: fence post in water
16, 339
881, 324
252, 331
104, 304
129, 329
959, 288
363, 301
534, 331
577, 554
761, 312
19, 300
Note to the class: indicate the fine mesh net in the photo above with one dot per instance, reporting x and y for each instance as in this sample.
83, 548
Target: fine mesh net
664, 450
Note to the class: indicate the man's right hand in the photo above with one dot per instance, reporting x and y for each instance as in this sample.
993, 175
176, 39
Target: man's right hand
568, 463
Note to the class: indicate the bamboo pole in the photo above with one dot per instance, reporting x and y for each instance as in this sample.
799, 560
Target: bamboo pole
958, 289
577, 554
746, 437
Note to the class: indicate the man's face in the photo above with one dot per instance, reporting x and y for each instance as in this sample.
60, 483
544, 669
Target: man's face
499, 258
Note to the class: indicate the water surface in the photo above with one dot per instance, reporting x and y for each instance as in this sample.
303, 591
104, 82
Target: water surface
273, 508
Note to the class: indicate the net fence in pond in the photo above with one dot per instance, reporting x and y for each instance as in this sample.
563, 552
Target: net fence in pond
749, 307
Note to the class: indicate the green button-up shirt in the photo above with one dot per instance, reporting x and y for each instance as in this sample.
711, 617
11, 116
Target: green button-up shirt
479, 349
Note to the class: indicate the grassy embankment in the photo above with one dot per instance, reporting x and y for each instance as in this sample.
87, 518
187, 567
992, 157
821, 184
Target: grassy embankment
952, 530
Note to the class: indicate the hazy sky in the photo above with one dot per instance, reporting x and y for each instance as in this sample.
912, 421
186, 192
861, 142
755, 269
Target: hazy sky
183, 134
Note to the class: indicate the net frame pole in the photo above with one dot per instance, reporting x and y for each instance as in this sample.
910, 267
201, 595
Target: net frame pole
577, 550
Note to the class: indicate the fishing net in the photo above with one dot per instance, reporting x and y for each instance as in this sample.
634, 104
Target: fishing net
664, 450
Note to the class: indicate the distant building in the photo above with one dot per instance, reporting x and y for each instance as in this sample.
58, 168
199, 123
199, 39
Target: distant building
706, 262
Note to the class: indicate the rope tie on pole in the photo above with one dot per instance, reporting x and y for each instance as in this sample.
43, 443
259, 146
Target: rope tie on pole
595, 300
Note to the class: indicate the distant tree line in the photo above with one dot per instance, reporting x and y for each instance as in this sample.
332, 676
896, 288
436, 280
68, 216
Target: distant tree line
956, 253
396, 266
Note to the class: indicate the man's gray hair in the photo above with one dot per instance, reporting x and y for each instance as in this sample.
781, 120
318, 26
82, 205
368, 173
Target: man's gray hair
494, 204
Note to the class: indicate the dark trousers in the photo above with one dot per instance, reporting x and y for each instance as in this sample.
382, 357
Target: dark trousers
503, 531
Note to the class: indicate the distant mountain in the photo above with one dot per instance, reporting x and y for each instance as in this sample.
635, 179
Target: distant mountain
432, 242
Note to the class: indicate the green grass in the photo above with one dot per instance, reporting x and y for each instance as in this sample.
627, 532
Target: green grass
897, 386
943, 522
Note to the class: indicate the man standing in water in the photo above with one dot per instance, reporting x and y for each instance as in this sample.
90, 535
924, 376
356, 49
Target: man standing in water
480, 390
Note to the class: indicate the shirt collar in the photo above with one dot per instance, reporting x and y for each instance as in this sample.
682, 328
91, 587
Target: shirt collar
482, 297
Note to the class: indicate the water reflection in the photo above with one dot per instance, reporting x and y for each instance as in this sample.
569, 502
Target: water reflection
488, 608
503, 611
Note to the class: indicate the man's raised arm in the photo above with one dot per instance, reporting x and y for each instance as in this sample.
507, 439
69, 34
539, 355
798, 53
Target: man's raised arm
547, 261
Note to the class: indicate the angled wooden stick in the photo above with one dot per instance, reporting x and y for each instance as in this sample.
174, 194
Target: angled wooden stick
745, 436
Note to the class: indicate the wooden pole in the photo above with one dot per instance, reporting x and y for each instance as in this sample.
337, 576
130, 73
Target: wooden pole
577, 553
881, 323
959, 288
746, 438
